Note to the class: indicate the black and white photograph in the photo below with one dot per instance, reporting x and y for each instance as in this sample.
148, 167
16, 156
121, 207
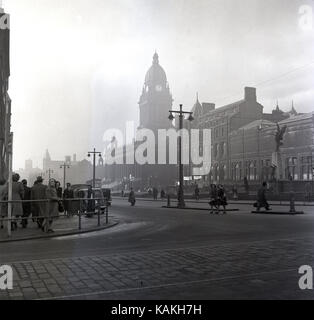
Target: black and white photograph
156, 154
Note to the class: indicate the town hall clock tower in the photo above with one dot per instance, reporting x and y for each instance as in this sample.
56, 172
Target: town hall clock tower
156, 99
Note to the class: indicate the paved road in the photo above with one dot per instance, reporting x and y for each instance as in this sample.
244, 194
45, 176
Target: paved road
158, 253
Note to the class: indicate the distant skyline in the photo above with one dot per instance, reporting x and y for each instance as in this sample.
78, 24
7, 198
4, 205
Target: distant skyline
77, 67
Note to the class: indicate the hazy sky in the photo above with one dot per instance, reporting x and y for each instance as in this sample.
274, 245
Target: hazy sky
78, 67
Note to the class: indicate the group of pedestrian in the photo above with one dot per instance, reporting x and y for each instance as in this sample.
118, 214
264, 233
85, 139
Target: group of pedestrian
43, 203
218, 198
156, 193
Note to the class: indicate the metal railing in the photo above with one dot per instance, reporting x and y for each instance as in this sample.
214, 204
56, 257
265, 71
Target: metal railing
77, 207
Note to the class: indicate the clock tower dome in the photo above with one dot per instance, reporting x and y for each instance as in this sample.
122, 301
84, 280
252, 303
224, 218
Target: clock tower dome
156, 99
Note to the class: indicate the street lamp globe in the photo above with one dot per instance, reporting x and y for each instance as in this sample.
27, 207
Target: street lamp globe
171, 117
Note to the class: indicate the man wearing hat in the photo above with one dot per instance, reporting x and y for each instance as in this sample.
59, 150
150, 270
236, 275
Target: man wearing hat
38, 192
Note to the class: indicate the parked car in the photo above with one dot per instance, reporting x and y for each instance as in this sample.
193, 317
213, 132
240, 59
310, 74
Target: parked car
103, 197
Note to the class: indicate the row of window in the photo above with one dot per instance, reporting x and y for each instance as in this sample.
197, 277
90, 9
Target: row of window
305, 172
219, 150
250, 170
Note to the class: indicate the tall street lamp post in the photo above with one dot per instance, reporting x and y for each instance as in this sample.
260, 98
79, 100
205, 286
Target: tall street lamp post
181, 203
94, 153
64, 167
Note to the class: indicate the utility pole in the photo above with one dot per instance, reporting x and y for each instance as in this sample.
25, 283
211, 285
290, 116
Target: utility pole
181, 203
94, 153
64, 166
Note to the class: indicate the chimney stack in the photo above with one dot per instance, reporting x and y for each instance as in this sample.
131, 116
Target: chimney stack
250, 94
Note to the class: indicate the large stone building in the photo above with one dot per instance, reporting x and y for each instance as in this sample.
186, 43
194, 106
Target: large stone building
5, 102
154, 105
243, 142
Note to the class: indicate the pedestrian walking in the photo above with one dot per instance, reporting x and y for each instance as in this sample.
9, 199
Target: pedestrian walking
38, 192
197, 192
155, 193
308, 191
52, 210
261, 198
68, 194
27, 206
213, 202
221, 198
132, 199
59, 189
162, 194
17, 195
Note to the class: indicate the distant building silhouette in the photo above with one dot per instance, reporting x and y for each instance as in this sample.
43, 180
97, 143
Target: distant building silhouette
79, 172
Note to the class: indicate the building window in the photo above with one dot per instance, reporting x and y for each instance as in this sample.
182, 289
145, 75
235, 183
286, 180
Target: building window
306, 168
266, 170
291, 168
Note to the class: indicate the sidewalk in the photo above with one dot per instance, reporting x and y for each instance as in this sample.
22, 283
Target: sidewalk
231, 201
61, 226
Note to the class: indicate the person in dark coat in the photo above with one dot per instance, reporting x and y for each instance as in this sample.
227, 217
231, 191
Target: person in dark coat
18, 195
213, 198
27, 206
308, 191
261, 198
58, 189
67, 195
38, 192
52, 211
221, 198
132, 199
155, 193
197, 192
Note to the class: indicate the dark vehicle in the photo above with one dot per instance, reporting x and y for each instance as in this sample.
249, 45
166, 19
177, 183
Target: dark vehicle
102, 198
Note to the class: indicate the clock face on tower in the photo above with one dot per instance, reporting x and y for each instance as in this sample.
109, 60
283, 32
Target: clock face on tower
158, 88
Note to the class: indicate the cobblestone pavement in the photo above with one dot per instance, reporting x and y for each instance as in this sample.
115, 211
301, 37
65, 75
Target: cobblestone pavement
255, 270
